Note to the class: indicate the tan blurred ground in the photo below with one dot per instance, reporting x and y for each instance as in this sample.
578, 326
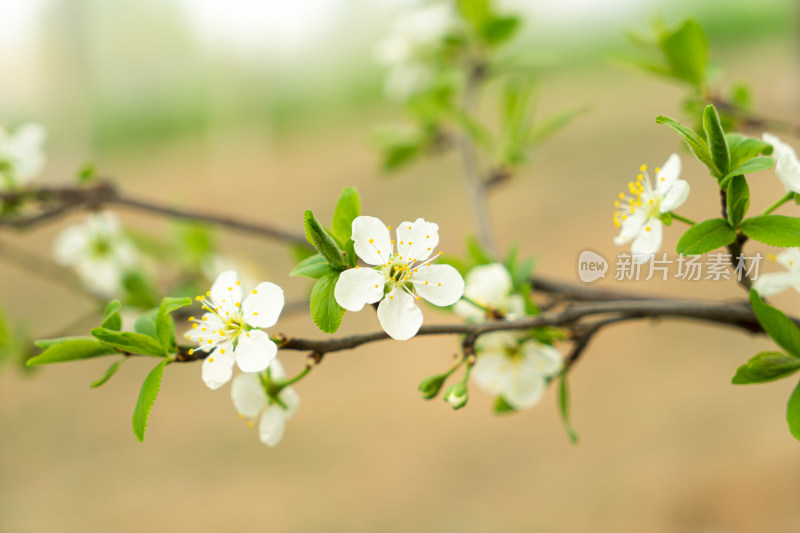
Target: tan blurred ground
667, 443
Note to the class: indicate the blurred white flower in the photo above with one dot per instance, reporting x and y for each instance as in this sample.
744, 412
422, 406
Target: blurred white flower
774, 283
407, 51
99, 252
639, 215
251, 401
489, 286
787, 167
21, 155
229, 328
517, 372
398, 276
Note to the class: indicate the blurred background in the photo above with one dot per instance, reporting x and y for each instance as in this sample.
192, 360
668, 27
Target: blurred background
264, 108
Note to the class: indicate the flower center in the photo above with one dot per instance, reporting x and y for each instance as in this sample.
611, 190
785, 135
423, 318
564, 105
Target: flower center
642, 195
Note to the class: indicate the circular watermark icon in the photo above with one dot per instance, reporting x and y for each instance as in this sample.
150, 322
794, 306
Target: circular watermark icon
591, 266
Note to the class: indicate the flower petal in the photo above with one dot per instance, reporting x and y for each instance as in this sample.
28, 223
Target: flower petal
218, 367
787, 166
647, 242
489, 285
417, 240
373, 243
441, 285
675, 196
272, 425
290, 397
670, 171
248, 395
255, 351
773, 283
526, 390
357, 287
789, 259
631, 227
226, 292
263, 306
545, 359
399, 315
72, 244
276, 370
492, 372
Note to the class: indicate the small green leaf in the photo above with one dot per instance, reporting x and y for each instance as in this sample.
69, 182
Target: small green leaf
706, 236
738, 198
147, 397
563, 409
755, 164
775, 230
146, 323
347, 209
696, 144
479, 254
744, 148
165, 326
130, 342
686, 50
715, 137
313, 267
793, 412
766, 366
326, 313
546, 128
111, 317
501, 406
325, 245
70, 350
498, 30
108, 373
777, 325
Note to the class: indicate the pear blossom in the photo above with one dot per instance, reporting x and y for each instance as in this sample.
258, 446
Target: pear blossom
230, 328
519, 373
787, 166
639, 215
251, 401
21, 155
99, 252
399, 273
407, 50
489, 286
774, 283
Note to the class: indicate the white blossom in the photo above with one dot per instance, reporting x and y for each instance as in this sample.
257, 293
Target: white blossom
490, 287
787, 167
411, 42
230, 328
519, 373
397, 275
639, 215
251, 401
99, 252
21, 155
774, 283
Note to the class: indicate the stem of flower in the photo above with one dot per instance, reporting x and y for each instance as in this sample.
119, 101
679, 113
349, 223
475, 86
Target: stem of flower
782, 200
680, 218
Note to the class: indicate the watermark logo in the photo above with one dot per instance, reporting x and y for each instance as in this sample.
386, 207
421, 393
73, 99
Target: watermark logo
591, 266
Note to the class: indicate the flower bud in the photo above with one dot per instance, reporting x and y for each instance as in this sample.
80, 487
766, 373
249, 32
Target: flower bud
457, 395
431, 386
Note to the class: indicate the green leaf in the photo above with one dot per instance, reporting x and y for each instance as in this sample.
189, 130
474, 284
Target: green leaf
777, 325
775, 230
313, 267
501, 406
755, 164
71, 349
706, 236
111, 317
715, 137
744, 148
479, 254
110, 371
793, 412
696, 144
147, 397
165, 326
146, 323
140, 289
325, 245
130, 342
686, 50
347, 209
563, 408
326, 313
738, 198
546, 128
498, 30
766, 366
